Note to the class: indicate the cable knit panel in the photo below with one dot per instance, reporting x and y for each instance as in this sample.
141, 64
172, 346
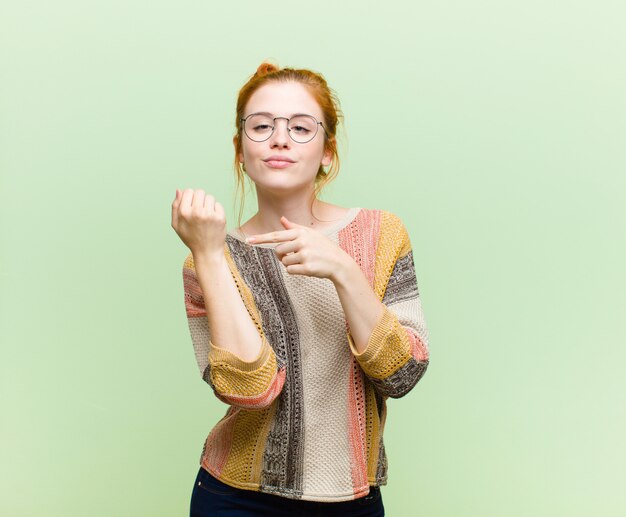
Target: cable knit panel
282, 466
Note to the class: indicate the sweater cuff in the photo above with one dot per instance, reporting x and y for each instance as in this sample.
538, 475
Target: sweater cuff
221, 355
384, 326
387, 348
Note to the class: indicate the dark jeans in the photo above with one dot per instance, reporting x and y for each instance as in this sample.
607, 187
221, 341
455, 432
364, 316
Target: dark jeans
212, 498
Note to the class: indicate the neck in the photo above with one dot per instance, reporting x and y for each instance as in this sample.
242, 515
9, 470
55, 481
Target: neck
294, 206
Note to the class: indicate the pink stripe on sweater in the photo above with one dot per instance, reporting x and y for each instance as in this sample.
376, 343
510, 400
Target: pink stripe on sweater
218, 443
356, 431
194, 299
360, 238
418, 350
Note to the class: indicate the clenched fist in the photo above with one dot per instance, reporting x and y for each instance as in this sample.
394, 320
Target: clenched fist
199, 221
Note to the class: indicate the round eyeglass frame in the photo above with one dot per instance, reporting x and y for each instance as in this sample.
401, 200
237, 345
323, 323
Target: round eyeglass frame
317, 124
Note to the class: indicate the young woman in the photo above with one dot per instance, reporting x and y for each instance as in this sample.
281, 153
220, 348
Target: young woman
304, 320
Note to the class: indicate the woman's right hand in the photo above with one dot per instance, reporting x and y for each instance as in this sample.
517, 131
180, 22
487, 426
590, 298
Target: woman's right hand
199, 221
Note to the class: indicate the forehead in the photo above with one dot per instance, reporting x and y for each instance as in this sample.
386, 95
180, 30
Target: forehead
283, 99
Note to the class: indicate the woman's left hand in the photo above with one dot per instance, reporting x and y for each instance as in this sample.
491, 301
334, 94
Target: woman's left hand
304, 251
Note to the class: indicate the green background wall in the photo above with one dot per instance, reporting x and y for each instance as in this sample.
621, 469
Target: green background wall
494, 129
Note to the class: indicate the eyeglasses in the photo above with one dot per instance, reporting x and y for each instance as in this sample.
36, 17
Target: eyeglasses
258, 127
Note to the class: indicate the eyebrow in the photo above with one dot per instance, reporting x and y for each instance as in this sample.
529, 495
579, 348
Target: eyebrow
272, 115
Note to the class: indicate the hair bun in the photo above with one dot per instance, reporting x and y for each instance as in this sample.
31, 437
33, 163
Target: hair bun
266, 68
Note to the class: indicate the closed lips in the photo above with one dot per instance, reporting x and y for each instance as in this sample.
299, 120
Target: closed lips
278, 159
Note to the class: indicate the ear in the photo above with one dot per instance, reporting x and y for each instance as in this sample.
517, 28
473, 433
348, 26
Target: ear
239, 155
327, 157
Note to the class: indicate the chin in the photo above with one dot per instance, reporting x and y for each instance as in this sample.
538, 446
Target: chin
282, 185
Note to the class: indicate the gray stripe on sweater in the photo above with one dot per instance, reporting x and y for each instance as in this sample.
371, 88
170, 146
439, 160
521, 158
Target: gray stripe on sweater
283, 454
402, 283
402, 381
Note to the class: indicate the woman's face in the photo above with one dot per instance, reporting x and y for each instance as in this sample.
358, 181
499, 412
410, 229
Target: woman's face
295, 165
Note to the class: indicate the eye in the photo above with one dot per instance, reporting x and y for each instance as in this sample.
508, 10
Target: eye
300, 129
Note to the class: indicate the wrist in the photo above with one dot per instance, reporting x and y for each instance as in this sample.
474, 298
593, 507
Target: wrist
343, 270
208, 258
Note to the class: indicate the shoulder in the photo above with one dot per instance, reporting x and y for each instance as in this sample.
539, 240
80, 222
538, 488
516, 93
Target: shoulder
387, 216
389, 222
391, 217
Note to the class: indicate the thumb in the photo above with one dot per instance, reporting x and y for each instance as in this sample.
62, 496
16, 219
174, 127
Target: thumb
176, 201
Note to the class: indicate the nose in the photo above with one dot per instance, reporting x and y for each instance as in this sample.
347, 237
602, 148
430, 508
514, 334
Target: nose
280, 137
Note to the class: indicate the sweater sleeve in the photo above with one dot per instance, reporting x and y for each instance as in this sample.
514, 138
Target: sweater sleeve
397, 352
244, 384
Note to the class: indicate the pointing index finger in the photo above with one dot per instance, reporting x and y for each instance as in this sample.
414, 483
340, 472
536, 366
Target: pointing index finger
277, 236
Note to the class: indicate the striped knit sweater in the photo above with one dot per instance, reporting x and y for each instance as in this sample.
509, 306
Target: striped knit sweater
306, 418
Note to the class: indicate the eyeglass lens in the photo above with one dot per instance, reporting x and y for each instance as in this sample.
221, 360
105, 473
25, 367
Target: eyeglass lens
301, 128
